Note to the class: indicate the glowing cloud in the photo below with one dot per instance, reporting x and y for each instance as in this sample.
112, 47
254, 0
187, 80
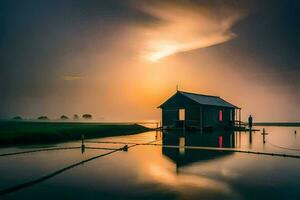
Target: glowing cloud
184, 27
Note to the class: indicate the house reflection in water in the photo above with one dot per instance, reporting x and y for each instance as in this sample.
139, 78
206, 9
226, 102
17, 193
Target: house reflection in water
183, 156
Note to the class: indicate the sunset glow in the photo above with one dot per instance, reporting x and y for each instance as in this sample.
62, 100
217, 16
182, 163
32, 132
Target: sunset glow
121, 68
149, 99
162, 51
185, 28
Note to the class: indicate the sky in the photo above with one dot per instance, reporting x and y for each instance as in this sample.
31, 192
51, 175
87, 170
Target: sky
120, 59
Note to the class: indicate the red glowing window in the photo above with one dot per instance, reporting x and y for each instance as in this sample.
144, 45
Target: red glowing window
220, 141
220, 115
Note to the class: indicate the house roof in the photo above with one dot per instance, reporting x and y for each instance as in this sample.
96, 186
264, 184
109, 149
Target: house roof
206, 99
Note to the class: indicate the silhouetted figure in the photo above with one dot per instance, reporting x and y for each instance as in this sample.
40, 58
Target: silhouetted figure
295, 132
250, 120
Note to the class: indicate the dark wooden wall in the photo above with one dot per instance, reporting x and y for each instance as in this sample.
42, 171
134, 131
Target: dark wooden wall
169, 116
211, 114
194, 118
196, 115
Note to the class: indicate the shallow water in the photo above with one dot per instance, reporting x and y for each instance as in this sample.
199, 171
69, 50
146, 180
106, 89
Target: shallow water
156, 172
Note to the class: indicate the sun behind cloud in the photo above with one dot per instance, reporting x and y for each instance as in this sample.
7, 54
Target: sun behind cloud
184, 28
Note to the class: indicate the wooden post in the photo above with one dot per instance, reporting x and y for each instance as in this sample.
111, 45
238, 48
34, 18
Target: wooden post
82, 143
82, 140
264, 135
232, 117
240, 117
235, 117
162, 118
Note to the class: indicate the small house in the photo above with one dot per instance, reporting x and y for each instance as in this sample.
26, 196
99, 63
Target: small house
198, 111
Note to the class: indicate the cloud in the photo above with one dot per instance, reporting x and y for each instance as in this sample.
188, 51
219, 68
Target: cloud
187, 26
72, 78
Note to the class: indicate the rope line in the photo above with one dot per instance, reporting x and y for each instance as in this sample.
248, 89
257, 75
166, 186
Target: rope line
52, 149
109, 142
101, 148
281, 147
117, 142
43, 178
229, 150
210, 149
38, 150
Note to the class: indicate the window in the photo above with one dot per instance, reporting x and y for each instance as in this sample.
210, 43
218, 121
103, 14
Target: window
220, 115
181, 145
220, 141
181, 114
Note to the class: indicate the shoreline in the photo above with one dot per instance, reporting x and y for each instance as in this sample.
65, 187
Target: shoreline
28, 133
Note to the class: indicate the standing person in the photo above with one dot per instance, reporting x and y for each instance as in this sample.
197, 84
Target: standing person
250, 120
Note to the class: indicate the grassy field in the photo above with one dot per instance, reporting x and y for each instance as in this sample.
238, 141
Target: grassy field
29, 132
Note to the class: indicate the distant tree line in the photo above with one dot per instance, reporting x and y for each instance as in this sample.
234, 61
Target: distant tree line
87, 116
43, 118
17, 118
63, 117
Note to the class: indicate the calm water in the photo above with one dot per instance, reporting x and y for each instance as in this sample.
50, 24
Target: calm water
156, 172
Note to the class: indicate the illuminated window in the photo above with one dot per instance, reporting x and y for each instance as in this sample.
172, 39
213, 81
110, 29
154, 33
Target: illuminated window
181, 145
220, 115
220, 141
181, 114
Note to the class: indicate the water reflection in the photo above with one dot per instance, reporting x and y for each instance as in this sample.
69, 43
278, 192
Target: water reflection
157, 172
182, 156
